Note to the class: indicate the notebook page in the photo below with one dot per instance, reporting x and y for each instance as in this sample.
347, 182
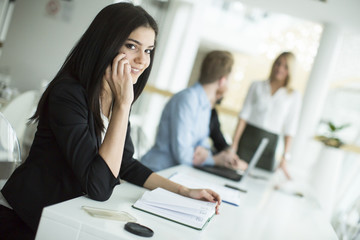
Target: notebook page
187, 219
175, 207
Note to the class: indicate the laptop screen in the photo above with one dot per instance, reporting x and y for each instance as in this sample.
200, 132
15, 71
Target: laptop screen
254, 160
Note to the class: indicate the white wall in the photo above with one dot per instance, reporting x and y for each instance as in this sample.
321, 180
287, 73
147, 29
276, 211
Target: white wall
344, 13
37, 44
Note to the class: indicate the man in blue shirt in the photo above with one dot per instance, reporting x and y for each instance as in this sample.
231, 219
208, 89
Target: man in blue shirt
183, 132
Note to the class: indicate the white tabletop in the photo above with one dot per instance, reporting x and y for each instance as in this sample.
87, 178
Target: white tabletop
264, 213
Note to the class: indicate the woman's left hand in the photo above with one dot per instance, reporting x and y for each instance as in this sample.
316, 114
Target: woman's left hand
202, 194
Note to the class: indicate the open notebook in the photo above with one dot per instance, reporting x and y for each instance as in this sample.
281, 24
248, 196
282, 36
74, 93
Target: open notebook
187, 211
233, 174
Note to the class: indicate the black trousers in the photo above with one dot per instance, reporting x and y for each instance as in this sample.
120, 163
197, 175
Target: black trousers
12, 227
249, 142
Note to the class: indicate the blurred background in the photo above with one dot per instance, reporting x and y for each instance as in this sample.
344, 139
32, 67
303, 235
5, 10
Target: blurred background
324, 35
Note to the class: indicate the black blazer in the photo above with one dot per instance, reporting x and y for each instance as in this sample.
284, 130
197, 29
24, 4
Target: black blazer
64, 160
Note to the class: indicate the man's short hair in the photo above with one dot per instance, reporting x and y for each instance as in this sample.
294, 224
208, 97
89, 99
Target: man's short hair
217, 64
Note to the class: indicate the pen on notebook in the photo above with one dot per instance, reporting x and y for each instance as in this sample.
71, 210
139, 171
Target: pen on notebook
236, 188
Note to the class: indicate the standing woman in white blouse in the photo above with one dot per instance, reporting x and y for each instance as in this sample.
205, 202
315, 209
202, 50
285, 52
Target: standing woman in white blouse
271, 109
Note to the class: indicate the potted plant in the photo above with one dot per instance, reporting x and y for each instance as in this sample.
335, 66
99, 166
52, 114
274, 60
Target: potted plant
331, 139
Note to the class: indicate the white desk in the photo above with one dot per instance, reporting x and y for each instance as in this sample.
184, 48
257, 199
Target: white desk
263, 214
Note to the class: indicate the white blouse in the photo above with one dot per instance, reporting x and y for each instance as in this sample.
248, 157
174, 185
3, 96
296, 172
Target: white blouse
278, 113
105, 122
4, 202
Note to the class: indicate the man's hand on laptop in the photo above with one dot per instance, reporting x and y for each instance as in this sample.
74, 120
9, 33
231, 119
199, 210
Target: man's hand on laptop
230, 160
200, 155
238, 164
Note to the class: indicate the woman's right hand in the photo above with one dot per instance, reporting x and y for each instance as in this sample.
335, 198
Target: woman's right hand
119, 78
202, 194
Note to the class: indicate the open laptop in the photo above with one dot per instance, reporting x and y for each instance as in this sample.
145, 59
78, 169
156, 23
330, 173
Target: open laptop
233, 174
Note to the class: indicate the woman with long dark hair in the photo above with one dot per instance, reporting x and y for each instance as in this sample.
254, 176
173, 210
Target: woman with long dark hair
82, 145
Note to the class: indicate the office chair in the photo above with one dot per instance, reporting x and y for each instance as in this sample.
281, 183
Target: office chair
18, 112
138, 136
9, 149
347, 222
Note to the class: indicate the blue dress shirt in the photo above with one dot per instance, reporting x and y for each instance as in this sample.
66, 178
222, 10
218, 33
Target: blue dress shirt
184, 125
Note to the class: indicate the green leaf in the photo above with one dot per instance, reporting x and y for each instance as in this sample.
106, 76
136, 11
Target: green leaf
332, 127
344, 126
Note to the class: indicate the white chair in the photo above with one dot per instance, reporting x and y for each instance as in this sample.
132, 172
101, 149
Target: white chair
347, 222
10, 156
18, 112
139, 136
